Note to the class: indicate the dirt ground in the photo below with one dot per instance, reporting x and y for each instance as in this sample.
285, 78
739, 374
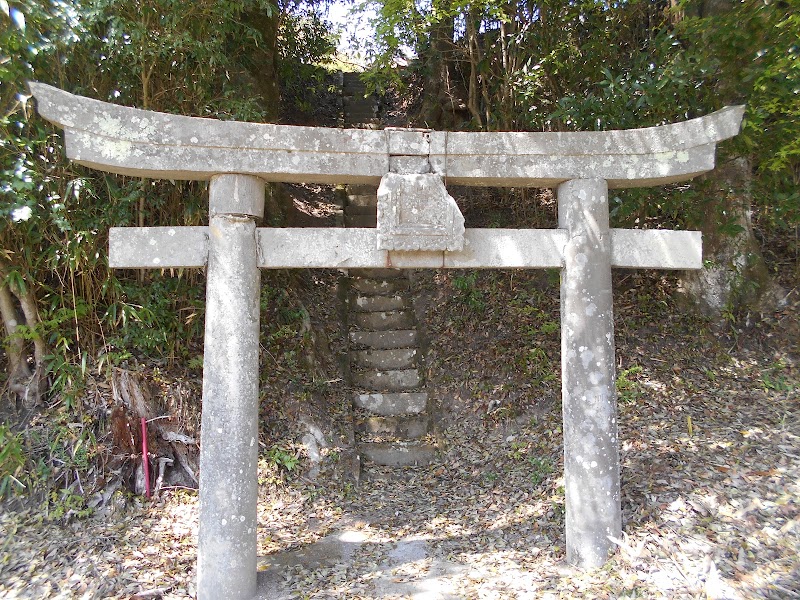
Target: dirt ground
710, 442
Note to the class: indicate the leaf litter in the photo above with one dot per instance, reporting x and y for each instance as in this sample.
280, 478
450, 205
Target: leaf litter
710, 448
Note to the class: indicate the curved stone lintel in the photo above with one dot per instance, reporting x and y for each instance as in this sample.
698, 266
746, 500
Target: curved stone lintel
142, 143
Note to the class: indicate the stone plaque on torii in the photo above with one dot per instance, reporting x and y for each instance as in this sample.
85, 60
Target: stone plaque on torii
419, 226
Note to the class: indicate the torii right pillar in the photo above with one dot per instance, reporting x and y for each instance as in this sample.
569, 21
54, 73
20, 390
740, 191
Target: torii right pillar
588, 391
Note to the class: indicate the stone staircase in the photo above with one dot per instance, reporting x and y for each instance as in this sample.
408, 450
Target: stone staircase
393, 416
359, 110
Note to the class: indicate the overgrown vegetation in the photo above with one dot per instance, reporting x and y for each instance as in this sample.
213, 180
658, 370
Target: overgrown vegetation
589, 65
552, 66
68, 318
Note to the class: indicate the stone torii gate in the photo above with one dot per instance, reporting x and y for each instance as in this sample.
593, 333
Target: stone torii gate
419, 226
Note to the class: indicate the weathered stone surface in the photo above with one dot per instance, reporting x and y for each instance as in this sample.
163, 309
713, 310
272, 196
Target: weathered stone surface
397, 380
352, 83
150, 144
398, 455
164, 247
350, 248
408, 141
415, 212
226, 563
408, 427
144, 143
509, 248
400, 358
157, 247
588, 392
384, 339
656, 249
359, 303
399, 403
384, 321
407, 165
379, 286
237, 195
630, 158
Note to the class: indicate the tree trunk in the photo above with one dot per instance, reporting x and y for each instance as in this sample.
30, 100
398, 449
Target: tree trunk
734, 276
444, 105
263, 66
29, 385
18, 370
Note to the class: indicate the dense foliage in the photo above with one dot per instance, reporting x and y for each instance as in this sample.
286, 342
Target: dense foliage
206, 58
590, 65
66, 315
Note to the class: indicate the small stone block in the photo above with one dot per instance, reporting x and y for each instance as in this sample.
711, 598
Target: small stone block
379, 287
415, 212
384, 339
236, 195
354, 209
388, 381
407, 427
384, 321
359, 303
418, 259
362, 189
398, 455
408, 142
409, 164
392, 404
360, 220
363, 200
399, 358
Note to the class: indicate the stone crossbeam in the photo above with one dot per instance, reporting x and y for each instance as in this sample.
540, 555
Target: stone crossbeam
310, 248
141, 143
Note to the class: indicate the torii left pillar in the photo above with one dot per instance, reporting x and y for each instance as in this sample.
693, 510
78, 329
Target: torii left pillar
226, 555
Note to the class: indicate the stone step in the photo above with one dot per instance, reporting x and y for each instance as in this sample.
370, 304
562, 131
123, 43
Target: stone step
398, 454
362, 189
392, 380
407, 427
350, 76
383, 320
380, 273
362, 221
355, 210
356, 95
365, 200
360, 111
405, 338
399, 358
361, 303
377, 286
354, 88
398, 403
